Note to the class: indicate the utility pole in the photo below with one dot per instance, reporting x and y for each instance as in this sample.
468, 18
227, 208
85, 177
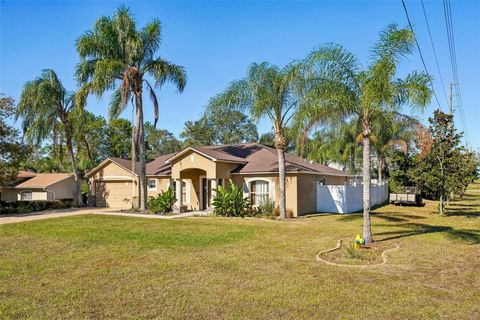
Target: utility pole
451, 99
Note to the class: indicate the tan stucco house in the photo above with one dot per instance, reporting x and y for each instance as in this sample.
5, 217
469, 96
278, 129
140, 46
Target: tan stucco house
195, 172
31, 186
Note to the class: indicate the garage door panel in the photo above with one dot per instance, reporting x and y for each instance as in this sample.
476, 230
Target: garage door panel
113, 194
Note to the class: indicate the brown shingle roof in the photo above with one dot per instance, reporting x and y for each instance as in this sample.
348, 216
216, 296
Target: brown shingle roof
260, 158
157, 167
43, 180
251, 158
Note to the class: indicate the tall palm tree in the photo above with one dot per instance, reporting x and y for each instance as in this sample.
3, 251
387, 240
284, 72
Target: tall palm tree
267, 91
340, 82
43, 102
116, 56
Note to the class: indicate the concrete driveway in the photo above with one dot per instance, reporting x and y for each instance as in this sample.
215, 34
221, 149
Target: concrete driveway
5, 219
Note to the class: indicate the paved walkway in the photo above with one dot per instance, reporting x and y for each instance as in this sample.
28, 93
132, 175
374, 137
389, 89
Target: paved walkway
78, 211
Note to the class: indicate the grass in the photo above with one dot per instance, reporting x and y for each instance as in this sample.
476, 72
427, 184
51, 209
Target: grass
103, 267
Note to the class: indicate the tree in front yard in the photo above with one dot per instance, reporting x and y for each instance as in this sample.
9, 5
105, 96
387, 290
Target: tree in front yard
266, 91
448, 166
343, 86
12, 151
45, 102
115, 55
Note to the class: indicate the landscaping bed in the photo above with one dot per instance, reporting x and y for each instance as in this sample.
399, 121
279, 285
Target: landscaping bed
20, 207
347, 254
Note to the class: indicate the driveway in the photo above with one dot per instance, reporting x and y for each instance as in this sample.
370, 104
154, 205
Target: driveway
5, 219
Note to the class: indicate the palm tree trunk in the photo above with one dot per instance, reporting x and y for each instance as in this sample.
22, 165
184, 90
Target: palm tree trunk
89, 150
134, 157
367, 230
440, 204
78, 195
281, 178
380, 167
280, 145
141, 151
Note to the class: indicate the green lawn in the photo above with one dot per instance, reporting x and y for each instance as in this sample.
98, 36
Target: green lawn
101, 267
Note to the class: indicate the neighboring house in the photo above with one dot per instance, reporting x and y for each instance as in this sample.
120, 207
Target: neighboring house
195, 172
31, 186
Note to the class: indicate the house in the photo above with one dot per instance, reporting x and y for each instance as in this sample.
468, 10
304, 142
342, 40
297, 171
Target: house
31, 186
195, 172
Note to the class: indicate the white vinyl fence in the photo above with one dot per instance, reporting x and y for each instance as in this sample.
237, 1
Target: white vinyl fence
348, 198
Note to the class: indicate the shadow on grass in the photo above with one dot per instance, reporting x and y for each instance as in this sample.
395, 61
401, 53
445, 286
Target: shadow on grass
414, 229
391, 217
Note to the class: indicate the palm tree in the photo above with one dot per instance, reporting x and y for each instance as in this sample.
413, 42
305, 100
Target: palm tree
116, 56
388, 130
267, 91
340, 82
43, 102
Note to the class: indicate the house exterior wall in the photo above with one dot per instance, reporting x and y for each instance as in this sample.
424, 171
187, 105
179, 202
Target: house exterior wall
61, 190
290, 188
307, 197
193, 160
163, 183
8, 195
114, 177
192, 178
300, 188
64, 189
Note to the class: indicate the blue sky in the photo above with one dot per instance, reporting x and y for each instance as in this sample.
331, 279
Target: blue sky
216, 41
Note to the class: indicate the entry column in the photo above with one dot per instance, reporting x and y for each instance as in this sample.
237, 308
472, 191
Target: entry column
178, 192
213, 188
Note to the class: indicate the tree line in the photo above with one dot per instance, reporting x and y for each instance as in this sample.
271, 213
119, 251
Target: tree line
328, 106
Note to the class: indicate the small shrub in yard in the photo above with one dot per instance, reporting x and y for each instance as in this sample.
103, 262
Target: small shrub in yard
163, 202
231, 203
353, 253
266, 207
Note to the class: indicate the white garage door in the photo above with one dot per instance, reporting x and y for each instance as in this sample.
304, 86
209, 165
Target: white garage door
114, 194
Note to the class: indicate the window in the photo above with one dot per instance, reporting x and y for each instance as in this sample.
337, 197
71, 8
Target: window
152, 184
259, 192
26, 196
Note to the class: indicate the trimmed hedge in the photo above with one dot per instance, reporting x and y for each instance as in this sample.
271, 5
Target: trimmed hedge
32, 206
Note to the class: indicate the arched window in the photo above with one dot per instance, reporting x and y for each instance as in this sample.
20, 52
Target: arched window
259, 192
26, 195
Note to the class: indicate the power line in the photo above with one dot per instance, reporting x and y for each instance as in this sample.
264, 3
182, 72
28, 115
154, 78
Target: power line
434, 51
420, 52
453, 60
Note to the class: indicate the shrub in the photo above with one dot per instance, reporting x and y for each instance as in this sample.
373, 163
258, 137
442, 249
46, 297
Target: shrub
276, 212
163, 202
231, 203
266, 207
353, 253
32, 206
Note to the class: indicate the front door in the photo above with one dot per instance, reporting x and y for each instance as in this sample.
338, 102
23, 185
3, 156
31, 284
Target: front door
205, 194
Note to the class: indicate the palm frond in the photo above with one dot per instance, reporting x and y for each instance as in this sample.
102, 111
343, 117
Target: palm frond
165, 71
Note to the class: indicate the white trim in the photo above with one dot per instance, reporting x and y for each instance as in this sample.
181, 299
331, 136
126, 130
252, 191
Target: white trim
94, 170
148, 184
271, 186
169, 160
115, 178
